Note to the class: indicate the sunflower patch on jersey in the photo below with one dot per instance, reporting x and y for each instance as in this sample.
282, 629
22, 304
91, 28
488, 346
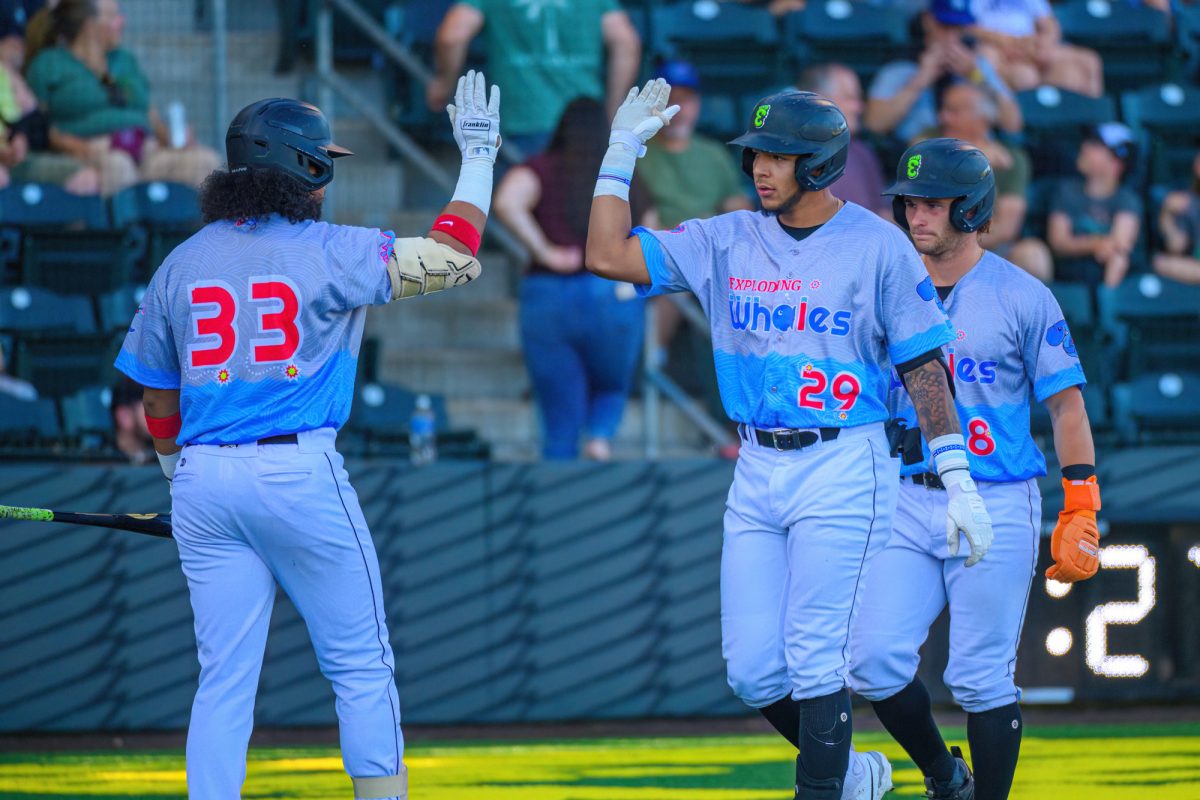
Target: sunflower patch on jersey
1009, 337
803, 331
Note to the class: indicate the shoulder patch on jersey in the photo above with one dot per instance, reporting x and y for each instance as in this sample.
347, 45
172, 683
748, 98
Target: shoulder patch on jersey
680, 228
926, 290
1059, 334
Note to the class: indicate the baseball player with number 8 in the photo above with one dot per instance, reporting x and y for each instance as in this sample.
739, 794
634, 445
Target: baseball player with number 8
247, 342
1011, 340
810, 301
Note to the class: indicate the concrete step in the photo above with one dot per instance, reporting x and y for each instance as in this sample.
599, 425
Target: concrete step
458, 319
150, 16
364, 192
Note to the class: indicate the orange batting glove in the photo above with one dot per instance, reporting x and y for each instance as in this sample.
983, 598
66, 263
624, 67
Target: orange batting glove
1075, 544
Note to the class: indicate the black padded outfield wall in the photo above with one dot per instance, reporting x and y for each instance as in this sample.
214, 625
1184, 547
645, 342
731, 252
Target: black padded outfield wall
514, 593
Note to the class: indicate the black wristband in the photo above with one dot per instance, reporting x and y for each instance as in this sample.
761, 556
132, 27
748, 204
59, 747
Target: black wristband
1078, 472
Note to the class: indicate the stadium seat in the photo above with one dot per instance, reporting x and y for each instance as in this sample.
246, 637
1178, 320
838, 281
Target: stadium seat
729, 43
87, 416
115, 309
384, 409
27, 422
25, 310
167, 212
1054, 125
1077, 303
863, 36
66, 242
1159, 407
1157, 322
1133, 40
58, 365
1170, 114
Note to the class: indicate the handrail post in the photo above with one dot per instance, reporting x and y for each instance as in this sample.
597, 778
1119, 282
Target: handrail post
650, 395
324, 58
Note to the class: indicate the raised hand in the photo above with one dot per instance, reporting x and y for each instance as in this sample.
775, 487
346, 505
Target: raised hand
475, 118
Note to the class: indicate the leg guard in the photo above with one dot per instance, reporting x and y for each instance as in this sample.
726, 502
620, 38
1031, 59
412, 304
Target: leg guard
385, 786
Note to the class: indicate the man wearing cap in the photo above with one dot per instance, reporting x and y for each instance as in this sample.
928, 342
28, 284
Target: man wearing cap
1094, 219
902, 99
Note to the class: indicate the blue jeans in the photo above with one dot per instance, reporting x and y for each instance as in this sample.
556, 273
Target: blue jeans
581, 346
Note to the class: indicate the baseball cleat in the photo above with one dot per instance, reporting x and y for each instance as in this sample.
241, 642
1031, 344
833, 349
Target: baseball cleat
869, 776
961, 788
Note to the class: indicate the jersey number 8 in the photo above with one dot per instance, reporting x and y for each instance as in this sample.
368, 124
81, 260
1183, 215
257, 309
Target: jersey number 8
214, 321
979, 437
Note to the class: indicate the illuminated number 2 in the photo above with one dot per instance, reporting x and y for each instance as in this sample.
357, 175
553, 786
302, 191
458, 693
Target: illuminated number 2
1120, 613
214, 317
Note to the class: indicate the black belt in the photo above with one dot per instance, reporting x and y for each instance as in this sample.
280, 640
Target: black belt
283, 438
927, 479
793, 439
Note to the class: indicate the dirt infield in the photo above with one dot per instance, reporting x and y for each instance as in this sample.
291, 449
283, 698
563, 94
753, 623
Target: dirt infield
1035, 717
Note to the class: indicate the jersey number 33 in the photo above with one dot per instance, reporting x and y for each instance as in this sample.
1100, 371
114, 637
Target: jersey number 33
275, 335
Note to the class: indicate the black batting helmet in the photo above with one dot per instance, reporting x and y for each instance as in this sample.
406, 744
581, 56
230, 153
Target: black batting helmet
283, 134
802, 124
946, 168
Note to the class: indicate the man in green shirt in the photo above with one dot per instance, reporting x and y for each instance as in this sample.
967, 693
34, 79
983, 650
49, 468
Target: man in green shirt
689, 176
542, 54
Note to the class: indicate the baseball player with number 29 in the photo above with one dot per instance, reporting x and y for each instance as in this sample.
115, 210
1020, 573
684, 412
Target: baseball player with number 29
810, 301
1011, 339
246, 342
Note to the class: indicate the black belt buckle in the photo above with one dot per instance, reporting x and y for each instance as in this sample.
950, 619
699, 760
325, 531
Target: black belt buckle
929, 480
795, 440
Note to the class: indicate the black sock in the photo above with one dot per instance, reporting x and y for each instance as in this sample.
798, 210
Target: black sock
995, 738
825, 728
908, 717
784, 716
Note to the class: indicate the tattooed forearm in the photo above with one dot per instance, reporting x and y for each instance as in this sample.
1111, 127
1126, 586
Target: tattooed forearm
927, 386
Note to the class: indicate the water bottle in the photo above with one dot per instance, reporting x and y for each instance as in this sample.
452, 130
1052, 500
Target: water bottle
177, 124
422, 432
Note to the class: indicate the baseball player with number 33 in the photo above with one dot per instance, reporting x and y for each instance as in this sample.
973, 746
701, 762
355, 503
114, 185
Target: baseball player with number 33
1010, 340
246, 342
811, 301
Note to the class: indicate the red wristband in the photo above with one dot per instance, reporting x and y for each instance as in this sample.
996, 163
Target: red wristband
164, 427
459, 229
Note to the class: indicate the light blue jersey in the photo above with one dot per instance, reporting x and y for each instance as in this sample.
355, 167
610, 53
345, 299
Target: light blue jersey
1010, 336
804, 332
258, 323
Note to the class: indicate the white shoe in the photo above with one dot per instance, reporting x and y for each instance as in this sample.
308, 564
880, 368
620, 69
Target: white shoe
868, 777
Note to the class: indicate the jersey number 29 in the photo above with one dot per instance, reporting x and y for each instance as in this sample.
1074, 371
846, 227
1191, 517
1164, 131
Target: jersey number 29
214, 321
844, 387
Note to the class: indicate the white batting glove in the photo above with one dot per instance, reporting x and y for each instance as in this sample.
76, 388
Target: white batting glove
643, 114
966, 514
475, 119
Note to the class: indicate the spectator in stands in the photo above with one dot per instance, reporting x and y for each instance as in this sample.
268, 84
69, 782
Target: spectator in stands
15, 387
98, 101
542, 55
24, 136
581, 379
902, 101
968, 113
862, 182
1094, 220
131, 435
1179, 233
1024, 40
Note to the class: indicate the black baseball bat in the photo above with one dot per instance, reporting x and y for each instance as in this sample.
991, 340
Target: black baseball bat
149, 524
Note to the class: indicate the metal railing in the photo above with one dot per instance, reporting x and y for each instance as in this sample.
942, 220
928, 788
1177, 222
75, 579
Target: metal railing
656, 384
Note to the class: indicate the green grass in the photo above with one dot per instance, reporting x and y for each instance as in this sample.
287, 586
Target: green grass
1158, 762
